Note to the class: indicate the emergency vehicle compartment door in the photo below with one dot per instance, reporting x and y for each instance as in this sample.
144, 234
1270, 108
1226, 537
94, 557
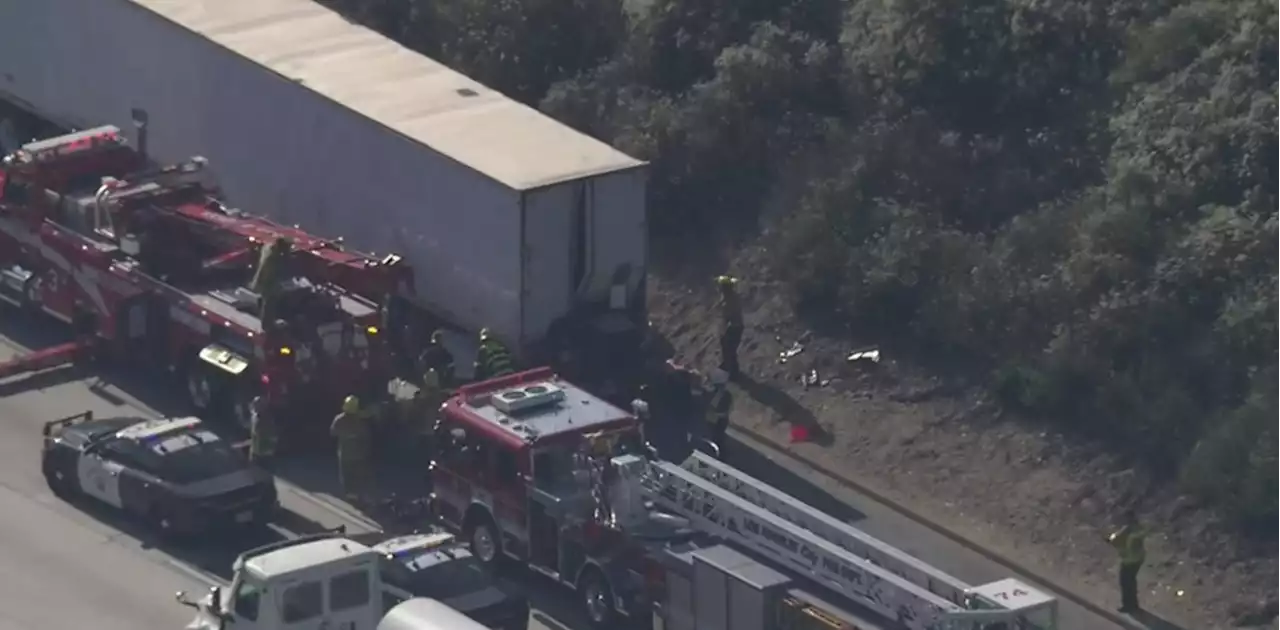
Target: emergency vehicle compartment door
100, 478
140, 328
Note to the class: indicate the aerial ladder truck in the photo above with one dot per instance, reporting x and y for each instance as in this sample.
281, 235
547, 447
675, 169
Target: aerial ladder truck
150, 264
826, 555
568, 486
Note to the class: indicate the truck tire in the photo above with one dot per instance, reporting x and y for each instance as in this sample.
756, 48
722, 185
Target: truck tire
60, 484
597, 598
483, 538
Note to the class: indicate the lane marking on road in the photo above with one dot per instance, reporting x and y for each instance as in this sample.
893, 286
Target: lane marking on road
329, 505
195, 573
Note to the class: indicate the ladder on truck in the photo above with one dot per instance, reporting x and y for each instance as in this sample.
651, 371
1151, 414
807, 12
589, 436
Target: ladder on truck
741, 509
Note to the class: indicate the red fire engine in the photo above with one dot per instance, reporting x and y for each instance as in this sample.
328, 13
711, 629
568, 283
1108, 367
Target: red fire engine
533, 468
152, 268
513, 472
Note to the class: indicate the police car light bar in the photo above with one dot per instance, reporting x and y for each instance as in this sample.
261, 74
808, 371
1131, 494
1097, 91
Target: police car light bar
72, 143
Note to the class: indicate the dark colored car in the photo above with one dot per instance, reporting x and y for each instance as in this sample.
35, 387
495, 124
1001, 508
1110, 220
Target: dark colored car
436, 565
171, 472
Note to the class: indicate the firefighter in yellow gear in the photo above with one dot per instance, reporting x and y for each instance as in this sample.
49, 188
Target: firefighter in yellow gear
1130, 542
492, 359
262, 432
271, 272
354, 434
730, 307
432, 396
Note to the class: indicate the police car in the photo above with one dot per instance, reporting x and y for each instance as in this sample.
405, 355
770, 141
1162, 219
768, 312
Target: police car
435, 565
172, 472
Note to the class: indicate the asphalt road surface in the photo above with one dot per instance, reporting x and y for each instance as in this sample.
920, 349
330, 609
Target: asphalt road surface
80, 566
69, 565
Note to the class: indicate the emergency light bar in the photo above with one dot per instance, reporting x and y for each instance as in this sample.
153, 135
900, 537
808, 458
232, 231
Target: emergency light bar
106, 136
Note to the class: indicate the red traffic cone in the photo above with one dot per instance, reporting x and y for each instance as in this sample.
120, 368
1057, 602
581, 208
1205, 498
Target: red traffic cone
799, 434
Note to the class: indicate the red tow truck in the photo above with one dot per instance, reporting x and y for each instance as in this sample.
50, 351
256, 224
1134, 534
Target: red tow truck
151, 267
533, 469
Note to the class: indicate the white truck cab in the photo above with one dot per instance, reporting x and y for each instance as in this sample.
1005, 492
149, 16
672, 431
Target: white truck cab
324, 581
320, 582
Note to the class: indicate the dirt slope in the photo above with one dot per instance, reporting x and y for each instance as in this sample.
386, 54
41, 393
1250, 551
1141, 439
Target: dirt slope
949, 453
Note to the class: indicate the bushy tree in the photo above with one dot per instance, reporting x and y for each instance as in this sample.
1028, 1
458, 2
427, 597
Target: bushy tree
1077, 194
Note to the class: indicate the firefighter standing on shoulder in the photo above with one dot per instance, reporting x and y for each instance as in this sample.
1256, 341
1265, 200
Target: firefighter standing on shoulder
719, 406
492, 359
437, 357
1130, 542
351, 429
272, 260
262, 432
731, 319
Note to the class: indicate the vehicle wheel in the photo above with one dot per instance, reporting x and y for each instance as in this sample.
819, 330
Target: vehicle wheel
597, 598
483, 538
199, 388
162, 521
60, 484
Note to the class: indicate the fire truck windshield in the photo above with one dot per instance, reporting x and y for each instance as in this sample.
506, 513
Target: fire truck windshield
553, 466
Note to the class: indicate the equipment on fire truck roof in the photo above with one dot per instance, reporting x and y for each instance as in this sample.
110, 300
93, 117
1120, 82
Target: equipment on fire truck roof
535, 404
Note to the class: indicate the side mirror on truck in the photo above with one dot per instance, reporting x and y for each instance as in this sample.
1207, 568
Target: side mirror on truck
215, 600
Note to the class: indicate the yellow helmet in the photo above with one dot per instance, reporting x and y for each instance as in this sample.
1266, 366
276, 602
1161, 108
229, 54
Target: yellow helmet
437, 336
484, 334
350, 404
726, 282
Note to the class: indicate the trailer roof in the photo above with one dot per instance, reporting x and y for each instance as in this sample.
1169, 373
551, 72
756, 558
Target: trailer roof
409, 93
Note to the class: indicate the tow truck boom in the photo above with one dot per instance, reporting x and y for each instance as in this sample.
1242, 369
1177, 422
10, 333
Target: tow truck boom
740, 509
314, 257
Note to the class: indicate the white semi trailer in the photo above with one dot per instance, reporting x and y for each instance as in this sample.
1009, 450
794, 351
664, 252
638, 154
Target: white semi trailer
511, 220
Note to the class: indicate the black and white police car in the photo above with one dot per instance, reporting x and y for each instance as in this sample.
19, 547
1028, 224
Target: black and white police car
172, 472
436, 565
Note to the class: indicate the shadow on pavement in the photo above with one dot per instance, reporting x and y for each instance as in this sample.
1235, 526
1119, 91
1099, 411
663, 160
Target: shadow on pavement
32, 330
751, 461
1153, 621
788, 409
556, 606
43, 379
212, 554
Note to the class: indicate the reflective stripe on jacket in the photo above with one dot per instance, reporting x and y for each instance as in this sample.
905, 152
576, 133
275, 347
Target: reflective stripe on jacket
1131, 544
262, 442
494, 360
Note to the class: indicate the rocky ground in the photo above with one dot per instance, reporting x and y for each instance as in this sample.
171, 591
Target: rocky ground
944, 449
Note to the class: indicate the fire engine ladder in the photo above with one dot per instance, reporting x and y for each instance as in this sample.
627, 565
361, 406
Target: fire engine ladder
740, 508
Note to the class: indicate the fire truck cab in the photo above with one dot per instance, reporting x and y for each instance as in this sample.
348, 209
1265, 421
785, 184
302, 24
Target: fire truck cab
524, 467
156, 265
